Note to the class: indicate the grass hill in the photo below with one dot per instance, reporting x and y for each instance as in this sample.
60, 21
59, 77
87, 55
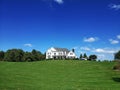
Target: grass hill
59, 75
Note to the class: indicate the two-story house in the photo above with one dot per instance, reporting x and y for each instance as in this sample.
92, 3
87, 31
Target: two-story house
60, 53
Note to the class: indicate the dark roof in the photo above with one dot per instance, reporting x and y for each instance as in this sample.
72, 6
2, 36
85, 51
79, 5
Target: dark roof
62, 49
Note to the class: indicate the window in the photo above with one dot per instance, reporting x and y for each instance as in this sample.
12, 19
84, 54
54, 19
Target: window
71, 53
49, 53
60, 53
54, 53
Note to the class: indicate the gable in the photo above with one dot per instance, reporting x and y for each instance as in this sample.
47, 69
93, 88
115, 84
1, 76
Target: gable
71, 53
51, 49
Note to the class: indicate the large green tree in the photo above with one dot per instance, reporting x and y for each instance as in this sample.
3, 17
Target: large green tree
92, 57
2, 55
14, 55
117, 55
85, 56
117, 58
36, 55
43, 56
28, 57
81, 56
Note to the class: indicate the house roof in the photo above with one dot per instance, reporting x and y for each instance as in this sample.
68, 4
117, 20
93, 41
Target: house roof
62, 49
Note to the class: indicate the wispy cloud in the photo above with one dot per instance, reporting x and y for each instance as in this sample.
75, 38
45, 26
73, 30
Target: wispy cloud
76, 47
113, 41
85, 48
50, 3
59, 1
99, 50
28, 45
118, 36
101, 56
106, 53
102, 50
115, 6
91, 39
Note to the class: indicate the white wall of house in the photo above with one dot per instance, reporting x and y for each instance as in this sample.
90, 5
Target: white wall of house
71, 55
49, 53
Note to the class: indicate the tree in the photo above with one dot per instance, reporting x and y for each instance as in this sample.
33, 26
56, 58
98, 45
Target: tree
81, 56
117, 55
37, 55
15, 55
10, 55
85, 56
43, 56
2, 54
18, 55
28, 57
92, 57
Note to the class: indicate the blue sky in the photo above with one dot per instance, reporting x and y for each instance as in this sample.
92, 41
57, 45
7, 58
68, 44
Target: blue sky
89, 26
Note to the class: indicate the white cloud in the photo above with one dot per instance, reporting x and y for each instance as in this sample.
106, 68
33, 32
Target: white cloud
76, 47
28, 45
105, 53
105, 56
85, 48
91, 39
115, 6
108, 51
59, 1
113, 41
99, 50
101, 56
118, 36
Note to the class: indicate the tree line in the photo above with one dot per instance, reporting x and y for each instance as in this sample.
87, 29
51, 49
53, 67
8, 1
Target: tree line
18, 55
90, 58
94, 57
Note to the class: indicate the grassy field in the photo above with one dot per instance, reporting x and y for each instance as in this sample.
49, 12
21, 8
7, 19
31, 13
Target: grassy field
59, 75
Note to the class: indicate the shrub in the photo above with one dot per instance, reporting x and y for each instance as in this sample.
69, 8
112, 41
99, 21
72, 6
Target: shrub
116, 67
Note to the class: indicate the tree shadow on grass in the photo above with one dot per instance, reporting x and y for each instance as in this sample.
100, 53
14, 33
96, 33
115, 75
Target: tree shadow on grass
116, 79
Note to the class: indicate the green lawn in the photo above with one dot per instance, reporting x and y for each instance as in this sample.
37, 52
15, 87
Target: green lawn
59, 75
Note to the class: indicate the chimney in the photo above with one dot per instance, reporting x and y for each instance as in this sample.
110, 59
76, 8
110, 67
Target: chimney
73, 50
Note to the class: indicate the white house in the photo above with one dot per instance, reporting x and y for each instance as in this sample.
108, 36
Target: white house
60, 53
